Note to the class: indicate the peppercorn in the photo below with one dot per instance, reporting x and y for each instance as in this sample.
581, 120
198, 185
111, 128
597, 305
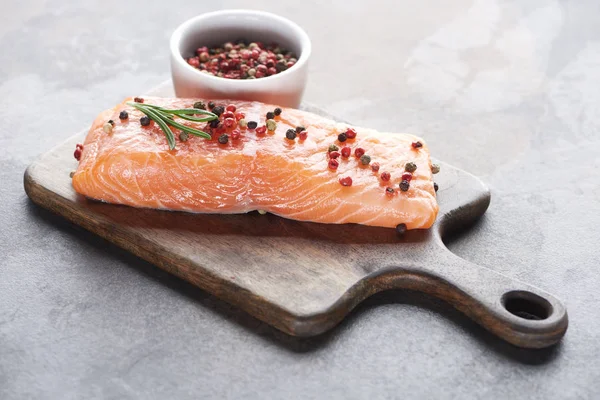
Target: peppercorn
145, 120
435, 168
404, 185
183, 136
214, 123
290, 134
211, 105
228, 122
228, 114
270, 115
138, 100
300, 129
350, 133
333, 147
410, 167
71, 174
223, 139
277, 111
385, 176
303, 135
406, 176
435, 186
342, 137
417, 145
389, 191
242, 123
107, 128
231, 108
365, 160
271, 125
200, 105
334, 154
235, 134
375, 167
218, 110
333, 164
345, 181
401, 229
239, 115
359, 152
346, 151
261, 130
123, 115
252, 124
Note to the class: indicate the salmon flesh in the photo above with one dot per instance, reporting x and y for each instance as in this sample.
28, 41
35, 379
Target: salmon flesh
132, 165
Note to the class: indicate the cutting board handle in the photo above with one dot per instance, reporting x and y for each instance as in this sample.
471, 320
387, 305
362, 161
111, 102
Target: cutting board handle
519, 313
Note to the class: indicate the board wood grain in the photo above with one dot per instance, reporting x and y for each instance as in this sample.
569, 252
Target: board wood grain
303, 278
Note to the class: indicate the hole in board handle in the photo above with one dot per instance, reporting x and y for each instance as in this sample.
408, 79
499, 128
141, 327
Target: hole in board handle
526, 305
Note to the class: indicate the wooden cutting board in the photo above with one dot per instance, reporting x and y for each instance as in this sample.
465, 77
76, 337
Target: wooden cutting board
303, 278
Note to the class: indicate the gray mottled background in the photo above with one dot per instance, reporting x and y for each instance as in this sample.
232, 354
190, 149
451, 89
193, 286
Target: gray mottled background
508, 90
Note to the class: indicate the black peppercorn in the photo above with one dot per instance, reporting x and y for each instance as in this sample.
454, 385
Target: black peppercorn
200, 105
435, 186
270, 115
252, 124
145, 120
277, 111
110, 121
342, 137
218, 110
401, 229
123, 115
211, 104
223, 139
300, 129
417, 145
404, 185
290, 134
214, 123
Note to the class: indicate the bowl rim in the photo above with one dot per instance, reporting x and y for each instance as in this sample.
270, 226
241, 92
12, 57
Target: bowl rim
178, 35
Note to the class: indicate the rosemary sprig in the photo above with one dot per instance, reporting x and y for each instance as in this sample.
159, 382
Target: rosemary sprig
164, 118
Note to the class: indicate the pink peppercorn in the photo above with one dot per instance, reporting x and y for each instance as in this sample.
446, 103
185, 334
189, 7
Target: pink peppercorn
194, 62
334, 154
359, 152
350, 133
271, 71
333, 164
228, 114
406, 176
345, 181
346, 151
229, 122
385, 176
375, 167
261, 130
303, 135
231, 108
239, 115
235, 134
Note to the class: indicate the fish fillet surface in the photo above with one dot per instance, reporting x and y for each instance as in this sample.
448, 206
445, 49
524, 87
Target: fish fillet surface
134, 166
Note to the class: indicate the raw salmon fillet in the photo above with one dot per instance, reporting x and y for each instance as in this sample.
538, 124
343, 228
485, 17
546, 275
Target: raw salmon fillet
133, 165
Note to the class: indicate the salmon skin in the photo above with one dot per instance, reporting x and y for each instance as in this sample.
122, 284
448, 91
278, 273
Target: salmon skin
133, 165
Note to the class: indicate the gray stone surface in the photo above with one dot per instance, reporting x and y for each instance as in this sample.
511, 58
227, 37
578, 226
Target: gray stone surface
505, 89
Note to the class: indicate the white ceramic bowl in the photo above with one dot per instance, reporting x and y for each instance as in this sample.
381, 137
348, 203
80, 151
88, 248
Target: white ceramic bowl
215, 28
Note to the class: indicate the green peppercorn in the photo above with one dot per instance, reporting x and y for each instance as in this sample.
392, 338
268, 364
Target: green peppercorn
435, 186
342, 137
410, 167
401, 229
333, 147
404, 185
277, 111
183, 136
211, 105
435, 168
270, 115
145, 120
242, 123
300, 129
365, 159
290, 134
252, 124
223, 139
200, 105
271, 125
107, 128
